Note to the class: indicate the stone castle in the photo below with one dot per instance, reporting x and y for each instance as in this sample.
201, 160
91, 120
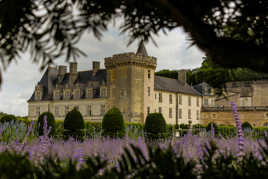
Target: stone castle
128, 82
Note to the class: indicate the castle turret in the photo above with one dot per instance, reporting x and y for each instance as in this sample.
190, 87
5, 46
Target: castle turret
127, 80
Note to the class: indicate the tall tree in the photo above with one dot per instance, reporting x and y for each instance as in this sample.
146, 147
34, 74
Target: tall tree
233, 33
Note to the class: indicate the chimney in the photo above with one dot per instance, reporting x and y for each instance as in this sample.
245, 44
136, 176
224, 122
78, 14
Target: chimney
52, 74
62, 70
73, 67
182, 75
96, 67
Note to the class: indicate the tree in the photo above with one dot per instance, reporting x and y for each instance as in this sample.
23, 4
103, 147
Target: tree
233, 33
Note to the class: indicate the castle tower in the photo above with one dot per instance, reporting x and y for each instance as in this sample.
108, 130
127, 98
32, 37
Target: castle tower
129, 77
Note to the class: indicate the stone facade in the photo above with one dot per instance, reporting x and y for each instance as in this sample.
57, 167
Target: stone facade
128, 82
251, 98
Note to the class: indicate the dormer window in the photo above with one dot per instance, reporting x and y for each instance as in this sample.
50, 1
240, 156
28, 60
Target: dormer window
67, 94
38, 92
103, 92
89, 93
37, 95
56, 94
76, 94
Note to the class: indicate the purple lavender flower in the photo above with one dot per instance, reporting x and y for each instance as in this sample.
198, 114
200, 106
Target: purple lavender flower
239, 129
212, 130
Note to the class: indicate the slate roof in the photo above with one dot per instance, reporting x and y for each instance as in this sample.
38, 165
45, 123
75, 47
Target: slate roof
173, 85
83, 78
142, 50
201, 88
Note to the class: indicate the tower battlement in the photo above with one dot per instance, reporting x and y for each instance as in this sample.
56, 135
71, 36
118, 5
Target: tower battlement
129, 58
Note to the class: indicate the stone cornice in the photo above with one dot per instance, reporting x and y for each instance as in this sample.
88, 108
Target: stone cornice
241, 108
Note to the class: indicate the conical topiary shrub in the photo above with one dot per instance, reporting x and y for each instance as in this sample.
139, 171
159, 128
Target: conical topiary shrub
246, 126
113, 124
155, 126
74, 125
50, 123
8, 118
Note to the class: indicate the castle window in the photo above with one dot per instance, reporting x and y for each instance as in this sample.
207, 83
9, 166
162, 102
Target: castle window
56, 94
155, 96
89, 93
197, 101
67, 94
180, 99
189, 114
103, 92
102, 109
38, 110
89, 110
180, 113
189, 100
149, 91
170, 112
148, 110
56, 110
66, 109
206, 102
95, 93
160, 110
197, 115
77, 94
160, 97
149, 74
170, 99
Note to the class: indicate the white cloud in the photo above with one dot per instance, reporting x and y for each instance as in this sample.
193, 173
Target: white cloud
172, 53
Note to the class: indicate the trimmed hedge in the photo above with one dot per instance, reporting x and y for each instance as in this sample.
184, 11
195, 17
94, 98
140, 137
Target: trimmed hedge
113, 124
50, 123
8, 118
73, 125
209, 127
155, 126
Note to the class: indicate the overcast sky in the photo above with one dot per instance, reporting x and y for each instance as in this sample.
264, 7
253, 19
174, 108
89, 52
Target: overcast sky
19, 80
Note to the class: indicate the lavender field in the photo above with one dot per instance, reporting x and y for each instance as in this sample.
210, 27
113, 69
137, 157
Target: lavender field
188, 156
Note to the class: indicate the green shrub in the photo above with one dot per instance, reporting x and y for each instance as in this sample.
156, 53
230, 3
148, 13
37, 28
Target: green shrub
50, 123
184, 126
8, 118
155, 126
113, 124
208, 128
74, 125
247, 126
227, 131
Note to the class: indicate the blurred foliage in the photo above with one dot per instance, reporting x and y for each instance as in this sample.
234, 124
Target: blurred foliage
215, 75
233, 33
158, 162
